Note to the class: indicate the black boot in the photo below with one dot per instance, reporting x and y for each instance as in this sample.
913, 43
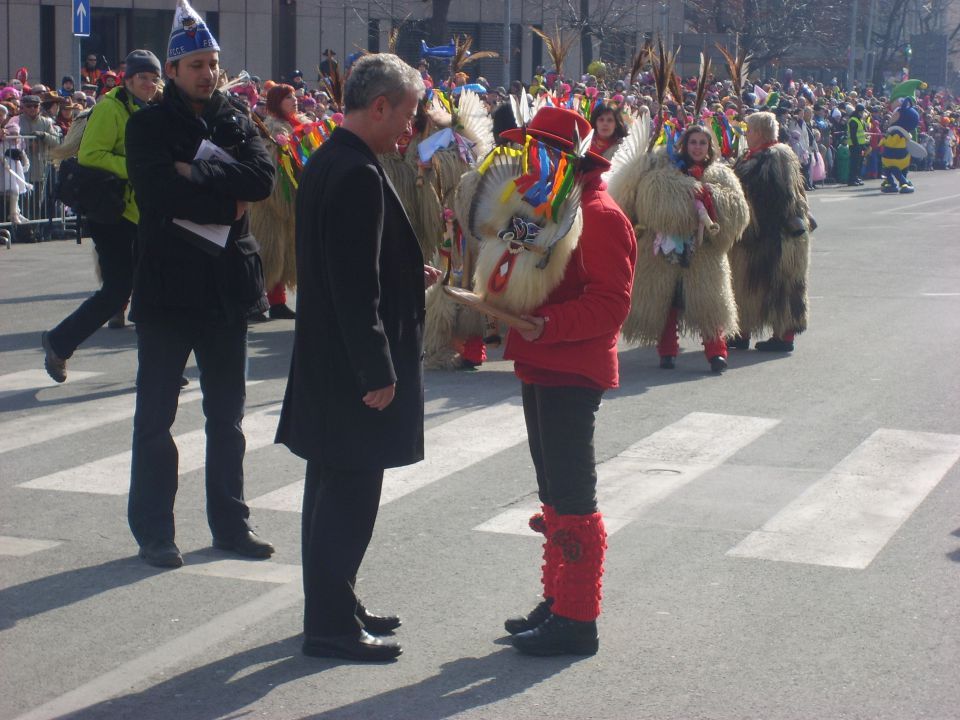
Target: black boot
739, 342
281, 312
718, 364
559, 636
775, 344
541, 612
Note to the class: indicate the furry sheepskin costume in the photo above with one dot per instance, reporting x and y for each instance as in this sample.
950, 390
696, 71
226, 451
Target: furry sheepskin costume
272, 222
659, 198
771, 262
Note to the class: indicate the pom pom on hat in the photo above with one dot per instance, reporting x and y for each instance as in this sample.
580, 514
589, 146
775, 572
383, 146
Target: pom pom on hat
189, 34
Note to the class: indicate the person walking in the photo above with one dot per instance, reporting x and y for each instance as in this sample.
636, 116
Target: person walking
354, 399
190, 294
104, 147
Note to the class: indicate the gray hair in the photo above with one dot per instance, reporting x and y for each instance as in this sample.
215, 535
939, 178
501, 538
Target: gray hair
379, 74
765, 124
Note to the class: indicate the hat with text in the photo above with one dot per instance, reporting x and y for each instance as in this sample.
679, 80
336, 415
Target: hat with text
189, 34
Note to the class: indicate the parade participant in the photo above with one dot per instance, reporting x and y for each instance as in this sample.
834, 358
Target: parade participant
191, 293
272, 220
770, 263
568, 273
103, 147
858, 143
688, 210
608, 130
90, 72
896, 148
354, 399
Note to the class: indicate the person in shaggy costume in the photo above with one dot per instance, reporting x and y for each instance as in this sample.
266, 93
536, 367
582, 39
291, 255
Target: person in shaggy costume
771, 262
559, 252
687, 211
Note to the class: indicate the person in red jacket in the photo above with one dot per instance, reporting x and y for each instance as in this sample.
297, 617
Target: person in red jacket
565, 364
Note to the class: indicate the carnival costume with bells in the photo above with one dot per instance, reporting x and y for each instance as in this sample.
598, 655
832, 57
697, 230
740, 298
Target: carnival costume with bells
555, 245
771, 262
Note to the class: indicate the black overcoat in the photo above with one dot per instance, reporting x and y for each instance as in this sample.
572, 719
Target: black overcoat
360, 312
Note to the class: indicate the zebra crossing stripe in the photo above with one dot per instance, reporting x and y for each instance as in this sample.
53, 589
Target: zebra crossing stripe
111, 475
266, 572
32, 380
19, 547
653, 468
450, 447
848, 516
39, 427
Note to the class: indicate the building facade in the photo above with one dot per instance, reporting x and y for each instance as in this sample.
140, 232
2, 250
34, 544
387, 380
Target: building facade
271, 38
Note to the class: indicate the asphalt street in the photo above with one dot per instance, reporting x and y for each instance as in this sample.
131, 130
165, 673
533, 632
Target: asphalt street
785, 538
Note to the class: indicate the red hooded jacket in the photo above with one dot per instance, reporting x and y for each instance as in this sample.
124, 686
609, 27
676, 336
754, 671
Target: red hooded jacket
585, 312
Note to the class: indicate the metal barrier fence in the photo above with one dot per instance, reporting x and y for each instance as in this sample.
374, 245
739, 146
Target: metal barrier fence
28, 210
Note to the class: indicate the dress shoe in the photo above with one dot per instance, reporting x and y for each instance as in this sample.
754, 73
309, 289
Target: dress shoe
281, 312
377, 624
541, 612
718, 364
55, 365
161, 553
117, 321
774, 344
559, 636
362, 647
258, 318
247, 544
667, 362
739, 342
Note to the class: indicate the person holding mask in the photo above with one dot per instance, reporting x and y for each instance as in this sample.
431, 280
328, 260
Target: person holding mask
190, 294
104, 147
354, 399
691, 211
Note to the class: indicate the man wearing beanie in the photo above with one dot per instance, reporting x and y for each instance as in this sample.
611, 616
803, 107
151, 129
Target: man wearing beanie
103, 147
191, 294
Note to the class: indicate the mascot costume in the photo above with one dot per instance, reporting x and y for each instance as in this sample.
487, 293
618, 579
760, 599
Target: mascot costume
898, 148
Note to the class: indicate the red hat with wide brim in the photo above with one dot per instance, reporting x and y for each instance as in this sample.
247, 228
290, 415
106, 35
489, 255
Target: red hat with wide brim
555, 126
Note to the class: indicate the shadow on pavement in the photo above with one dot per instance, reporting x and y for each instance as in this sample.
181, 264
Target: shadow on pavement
66, 588
459, 686
82, 295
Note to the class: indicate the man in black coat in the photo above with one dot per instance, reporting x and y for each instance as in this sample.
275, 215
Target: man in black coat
354, 400
191, 295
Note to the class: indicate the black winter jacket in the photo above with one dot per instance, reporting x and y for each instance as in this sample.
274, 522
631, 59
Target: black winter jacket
174, 274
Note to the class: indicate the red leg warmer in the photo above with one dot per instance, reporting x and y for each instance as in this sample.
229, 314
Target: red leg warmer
474, 351
582, 541
545, 523
669, 345
715, 346
277, 295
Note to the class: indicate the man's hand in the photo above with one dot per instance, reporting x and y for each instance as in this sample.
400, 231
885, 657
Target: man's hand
241, 209
379, 399
430, 275
532, 335
184, 169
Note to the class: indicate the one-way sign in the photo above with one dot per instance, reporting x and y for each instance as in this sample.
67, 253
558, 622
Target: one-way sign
81, 18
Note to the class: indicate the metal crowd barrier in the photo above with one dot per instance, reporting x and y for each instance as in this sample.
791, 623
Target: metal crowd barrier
28, 210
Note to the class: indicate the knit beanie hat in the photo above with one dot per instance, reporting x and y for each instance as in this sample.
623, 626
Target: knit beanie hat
189, 34
141, 61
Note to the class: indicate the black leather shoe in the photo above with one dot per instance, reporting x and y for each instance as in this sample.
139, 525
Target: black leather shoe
55, 365
541, 612
248, 545
774, 344
161, 553
739, 342
667, 362
362, 647
718, 364
378, 624
281, 312
559, 636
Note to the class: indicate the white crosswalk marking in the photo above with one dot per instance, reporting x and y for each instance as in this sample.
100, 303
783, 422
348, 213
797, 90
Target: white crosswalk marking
32, 380
258, 571
111, 475
77, 417
19, 547
450, 447
652, 469
848, 516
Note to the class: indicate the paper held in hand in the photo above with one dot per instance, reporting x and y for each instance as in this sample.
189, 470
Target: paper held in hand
216, 234
480, 305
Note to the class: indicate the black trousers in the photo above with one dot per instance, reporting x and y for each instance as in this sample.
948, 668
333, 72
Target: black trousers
221, 353
339, 511
114, 245
856, 163
560, 424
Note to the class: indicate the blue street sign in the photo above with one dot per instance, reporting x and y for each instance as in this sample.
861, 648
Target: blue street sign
81, 18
